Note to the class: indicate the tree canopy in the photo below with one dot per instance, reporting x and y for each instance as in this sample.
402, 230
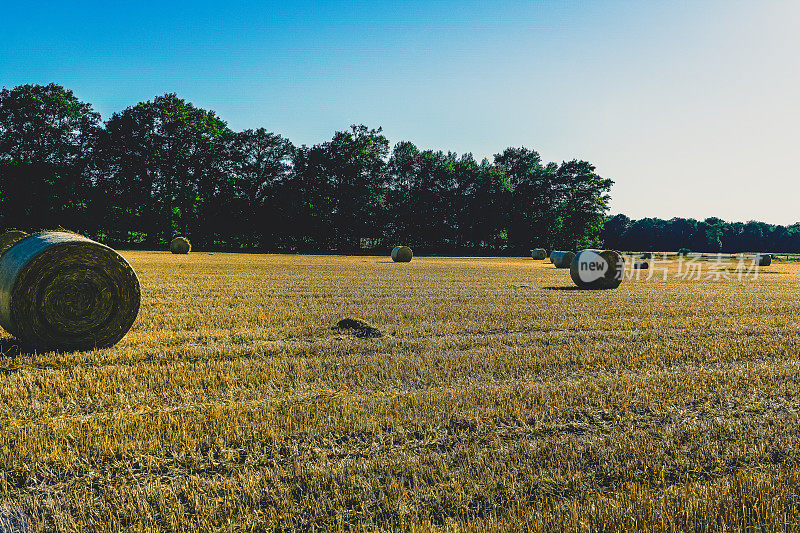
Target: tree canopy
165, 167
711, 235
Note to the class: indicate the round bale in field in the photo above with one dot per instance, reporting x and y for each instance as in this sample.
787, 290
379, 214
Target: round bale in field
62, 291
540, 254
402, 254
597, 269
10, 238
641, 265
562, 259
180, 245
764, 260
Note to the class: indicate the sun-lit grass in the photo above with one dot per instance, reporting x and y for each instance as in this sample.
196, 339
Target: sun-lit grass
497, 399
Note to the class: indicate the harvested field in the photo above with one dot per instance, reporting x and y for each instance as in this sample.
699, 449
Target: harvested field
499, 397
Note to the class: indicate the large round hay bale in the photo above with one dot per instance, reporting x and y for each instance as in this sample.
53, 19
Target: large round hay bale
562, 259
641, 265
10, 238
597, 269
402, 254
540, 254
764, 260
14, 520
60, 290
180, 245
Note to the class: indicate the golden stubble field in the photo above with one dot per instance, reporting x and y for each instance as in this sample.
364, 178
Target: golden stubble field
499, 398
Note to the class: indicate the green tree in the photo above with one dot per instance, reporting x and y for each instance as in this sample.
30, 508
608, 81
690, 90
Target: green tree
306, 202
614, 230
581, 200
433, 206
482, 203
708, 237
356, 172
165, 164
402, 174
47, 139
528, 198
259, 165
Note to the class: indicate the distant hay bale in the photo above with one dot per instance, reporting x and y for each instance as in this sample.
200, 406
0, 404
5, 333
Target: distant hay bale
562, 259
539, 254
764, 260
597, 269
641, 265
10, 238
402, 254
180, 245
646, 255
60, 290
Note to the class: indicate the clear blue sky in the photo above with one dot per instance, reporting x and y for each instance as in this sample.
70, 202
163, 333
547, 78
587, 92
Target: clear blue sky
692, 107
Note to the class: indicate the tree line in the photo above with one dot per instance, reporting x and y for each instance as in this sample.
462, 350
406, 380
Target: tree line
164, 167
712, 235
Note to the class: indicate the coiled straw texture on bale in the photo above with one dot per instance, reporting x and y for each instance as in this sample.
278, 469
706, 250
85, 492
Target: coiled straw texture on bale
540, 254
402, 254
10, 238
62, 291
562, 259
606, 272
180, 245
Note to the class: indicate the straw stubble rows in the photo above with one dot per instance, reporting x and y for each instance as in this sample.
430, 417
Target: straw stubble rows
497, 398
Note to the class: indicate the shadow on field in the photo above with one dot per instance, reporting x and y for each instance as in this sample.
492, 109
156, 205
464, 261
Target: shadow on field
569, 288
11, 347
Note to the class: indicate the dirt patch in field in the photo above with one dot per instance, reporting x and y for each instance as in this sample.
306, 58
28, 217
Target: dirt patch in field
360, 329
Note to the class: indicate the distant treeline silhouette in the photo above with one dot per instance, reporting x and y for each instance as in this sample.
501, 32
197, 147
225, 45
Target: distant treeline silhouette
165, 167
711, 235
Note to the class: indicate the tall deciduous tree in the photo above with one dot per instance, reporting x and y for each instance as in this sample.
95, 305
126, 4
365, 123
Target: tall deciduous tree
47, 139
355, 169
581, 199
164, 170
529, 201
259, 165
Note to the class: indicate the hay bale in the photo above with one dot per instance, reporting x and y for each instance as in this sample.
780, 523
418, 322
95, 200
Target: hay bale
60, 290
646, 255
597, 269
562, 259
180, 245
13, 520
641, 265
402, 254
10, 238
540, 254
764, 260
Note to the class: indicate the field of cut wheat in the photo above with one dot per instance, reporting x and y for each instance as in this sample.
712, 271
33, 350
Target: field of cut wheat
493, 396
